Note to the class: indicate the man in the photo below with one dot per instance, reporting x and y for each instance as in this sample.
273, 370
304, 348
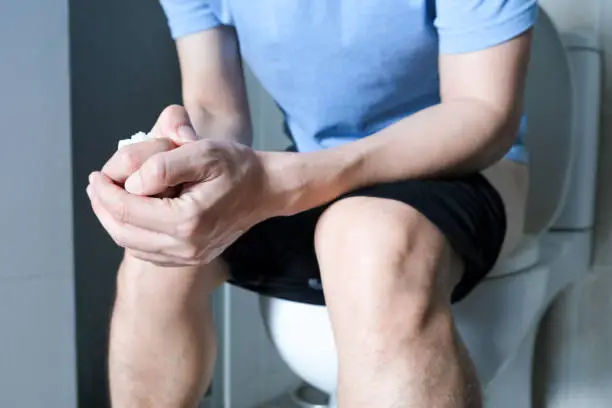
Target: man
409, 185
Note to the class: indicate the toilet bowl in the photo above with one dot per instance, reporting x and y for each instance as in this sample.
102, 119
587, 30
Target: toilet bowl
499, 320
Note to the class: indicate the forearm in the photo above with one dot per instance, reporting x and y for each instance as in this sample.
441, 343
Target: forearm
451, 138
233, 126
213, 86
448, 139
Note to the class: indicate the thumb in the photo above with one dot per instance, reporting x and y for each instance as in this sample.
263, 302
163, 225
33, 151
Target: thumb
165, 170
174, 124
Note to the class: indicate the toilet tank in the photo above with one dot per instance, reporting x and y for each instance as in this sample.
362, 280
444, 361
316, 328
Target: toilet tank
584, 54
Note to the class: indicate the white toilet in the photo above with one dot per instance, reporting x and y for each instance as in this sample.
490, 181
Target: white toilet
499, 320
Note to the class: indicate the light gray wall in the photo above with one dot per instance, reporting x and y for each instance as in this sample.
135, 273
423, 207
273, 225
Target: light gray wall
37, 365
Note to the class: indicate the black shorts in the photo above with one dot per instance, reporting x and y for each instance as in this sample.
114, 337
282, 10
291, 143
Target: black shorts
277, 258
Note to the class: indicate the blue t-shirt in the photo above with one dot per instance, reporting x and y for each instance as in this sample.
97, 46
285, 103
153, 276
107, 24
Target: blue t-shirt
344, 69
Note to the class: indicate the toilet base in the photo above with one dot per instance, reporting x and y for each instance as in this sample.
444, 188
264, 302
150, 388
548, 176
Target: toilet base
304, 396
512, 386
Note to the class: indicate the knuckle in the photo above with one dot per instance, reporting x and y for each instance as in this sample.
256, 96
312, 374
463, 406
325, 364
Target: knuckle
119, 240
192, 252
156, 169
172, 111
128, 158
206, 149
206, 145
162, 144
121, 212
187, 229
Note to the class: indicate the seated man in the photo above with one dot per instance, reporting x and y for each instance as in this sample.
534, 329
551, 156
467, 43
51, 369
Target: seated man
408, 184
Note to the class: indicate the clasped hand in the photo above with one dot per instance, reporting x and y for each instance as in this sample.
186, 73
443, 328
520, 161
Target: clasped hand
176, 200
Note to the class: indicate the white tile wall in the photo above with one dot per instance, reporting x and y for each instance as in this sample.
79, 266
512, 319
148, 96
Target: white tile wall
595, 15
603, 253
605, 24
574, 347
603, 222
577, 329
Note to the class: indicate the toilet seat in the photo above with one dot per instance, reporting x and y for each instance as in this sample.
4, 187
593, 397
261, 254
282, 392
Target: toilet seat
526, 255
548, 94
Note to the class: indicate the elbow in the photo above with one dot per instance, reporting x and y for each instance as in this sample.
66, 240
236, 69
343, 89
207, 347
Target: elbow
502, 133
498, 144
506, 135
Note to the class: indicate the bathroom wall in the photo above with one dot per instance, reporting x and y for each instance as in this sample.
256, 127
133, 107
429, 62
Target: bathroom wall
123, 74
573, 348
569, 14
121, 78
595, 15
37, 350
603, 254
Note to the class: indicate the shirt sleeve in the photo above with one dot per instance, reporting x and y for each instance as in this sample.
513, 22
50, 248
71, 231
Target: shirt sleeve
189, 16
472, 25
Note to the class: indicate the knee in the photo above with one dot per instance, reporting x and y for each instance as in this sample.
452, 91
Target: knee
371, 231
385, 246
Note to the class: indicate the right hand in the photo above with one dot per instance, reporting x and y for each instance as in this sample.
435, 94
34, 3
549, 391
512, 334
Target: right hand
172, 129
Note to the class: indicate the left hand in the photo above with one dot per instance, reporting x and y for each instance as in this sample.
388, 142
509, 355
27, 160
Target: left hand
226, 190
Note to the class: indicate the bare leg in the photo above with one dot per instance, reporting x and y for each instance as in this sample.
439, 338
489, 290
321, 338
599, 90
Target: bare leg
163, 343
388, 274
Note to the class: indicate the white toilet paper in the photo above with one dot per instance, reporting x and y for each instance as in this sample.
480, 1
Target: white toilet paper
138, 137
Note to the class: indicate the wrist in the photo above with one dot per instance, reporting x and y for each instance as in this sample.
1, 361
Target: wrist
301, 181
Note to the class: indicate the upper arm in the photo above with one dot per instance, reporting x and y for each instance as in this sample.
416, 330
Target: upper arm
484, 51
211, 67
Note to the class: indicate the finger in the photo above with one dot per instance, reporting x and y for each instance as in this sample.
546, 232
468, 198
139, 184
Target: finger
127, 160
153, 214
174, 124
186, 164
128, 236
173, 128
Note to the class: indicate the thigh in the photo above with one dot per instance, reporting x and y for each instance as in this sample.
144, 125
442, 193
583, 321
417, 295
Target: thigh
277, 257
